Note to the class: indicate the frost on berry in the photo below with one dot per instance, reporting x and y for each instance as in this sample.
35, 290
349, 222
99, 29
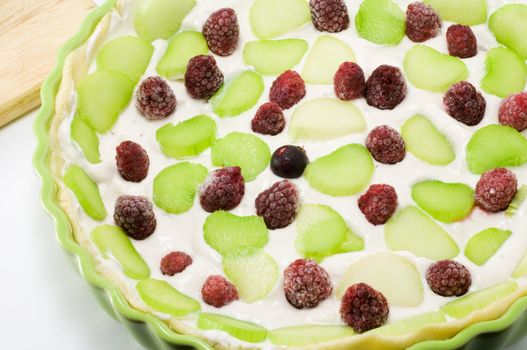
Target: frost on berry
448, 278
306, 284
378, 203
135, 215
203, 77
269, 119
155, 99
329, 15
218, 292
513, 111
223, 189
363, 308
464, 103
349, 81
496, 189
386, 145
386, 87
288, 89
221, 31
461, 41
175, 262
422, 22
132, 161
278, 205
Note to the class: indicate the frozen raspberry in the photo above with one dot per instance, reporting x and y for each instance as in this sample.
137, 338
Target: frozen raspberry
329, 15
461, 41
349, 82
135, 215
513, 111
496, 189
448, 278
306, 284
464, 103
175, 262
363, 308
422, 22
203, 77
223, 189
378, 203
278, 205
132, 161
386, 87
155, 99
221, 31
288, 89
386, 145
218, 292
269, 119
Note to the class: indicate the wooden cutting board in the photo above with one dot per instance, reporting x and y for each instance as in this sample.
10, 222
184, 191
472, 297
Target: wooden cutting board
31, 32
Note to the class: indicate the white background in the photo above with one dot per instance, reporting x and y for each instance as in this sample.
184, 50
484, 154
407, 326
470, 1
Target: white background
44, 304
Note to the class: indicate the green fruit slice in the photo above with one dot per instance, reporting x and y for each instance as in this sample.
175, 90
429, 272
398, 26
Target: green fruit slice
112, 240
506, 72
175, 186
188, 138
468, 12
496, 146
410, 229
247, 331
518, 200
86, 191
308, 335
410, 324
182, 47
482, 246
252, 271
272, 18
479, 300
324, 59
345, 172
509, 25
424, 141
247, 151
340, 119
162, 297
429, 69
226, 232
381, 22
87, 140
238, 94
446, 202
273, 57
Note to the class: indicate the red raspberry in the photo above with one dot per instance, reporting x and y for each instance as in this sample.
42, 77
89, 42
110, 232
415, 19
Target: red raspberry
461, 41
464, 103
222, 32
386, 145
306, 284
218, 292
378, 203
513, 111
278, 205
422, 22
269, 119
132, 161
135, 215
223, 190
448, 278
386, 87
203, 77
363, 308
155, 99
349, 82
329, 15
496, 189
288, 89
175, 262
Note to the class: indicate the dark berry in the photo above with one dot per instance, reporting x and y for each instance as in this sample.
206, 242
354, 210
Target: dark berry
378, 203
461, 41
218, 292
422, 22
496, 189
132, 161
221, 31
329, 15
175, 262
278, 205
386, 145
288, 89
289, 162
269, 119
155, 99
349, 82
513, 111
448, 278
306, 284
386, 87
464, 103
203, 77
223, 189
135, 215
363, 308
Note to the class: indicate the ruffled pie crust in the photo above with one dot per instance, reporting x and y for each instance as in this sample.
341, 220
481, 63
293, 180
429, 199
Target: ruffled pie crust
75, 68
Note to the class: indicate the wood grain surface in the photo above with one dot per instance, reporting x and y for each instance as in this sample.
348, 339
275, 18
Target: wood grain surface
31, 32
